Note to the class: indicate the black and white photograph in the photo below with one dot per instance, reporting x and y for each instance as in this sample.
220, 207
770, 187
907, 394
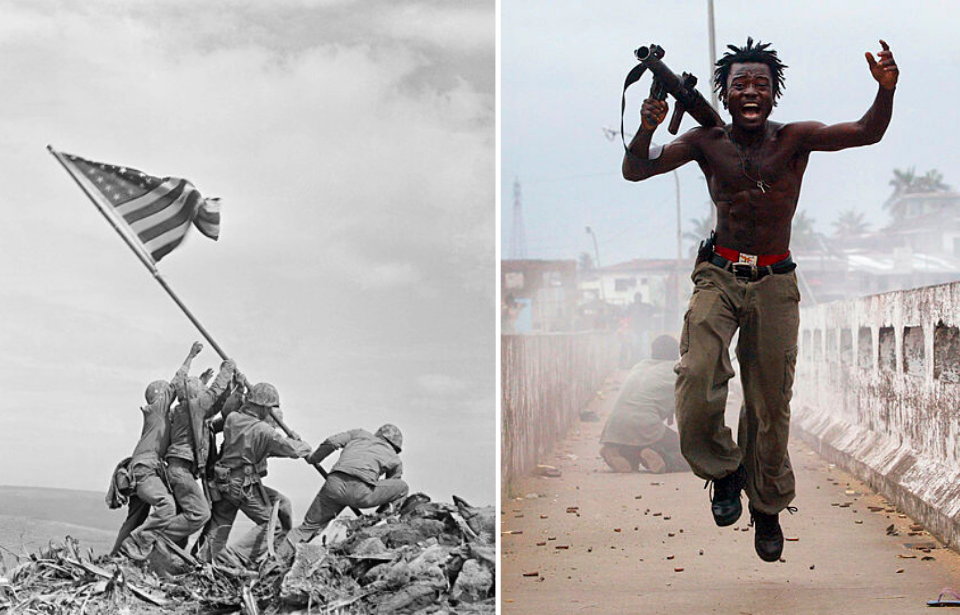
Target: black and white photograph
249, 309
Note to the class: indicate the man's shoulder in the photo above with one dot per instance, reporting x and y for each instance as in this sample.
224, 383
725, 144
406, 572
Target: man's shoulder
702, 134
645, 373
356, 434
237, 418
794, 129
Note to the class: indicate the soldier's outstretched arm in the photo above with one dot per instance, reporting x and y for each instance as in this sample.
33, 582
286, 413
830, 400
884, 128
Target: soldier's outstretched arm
640, 161
818, 137
208, 397
323, 451
181, 376
281, 446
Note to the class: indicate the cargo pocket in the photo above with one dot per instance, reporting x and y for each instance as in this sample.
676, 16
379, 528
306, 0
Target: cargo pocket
789, 371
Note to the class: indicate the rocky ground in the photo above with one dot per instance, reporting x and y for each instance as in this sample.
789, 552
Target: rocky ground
426, 558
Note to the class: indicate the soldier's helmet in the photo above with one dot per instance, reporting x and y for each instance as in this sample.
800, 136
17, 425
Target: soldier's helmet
264, 394
155, 389
391, 433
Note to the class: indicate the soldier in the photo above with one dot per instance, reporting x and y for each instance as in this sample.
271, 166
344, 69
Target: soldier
189, 448
247, 442
745, 280
354, 480
147, 470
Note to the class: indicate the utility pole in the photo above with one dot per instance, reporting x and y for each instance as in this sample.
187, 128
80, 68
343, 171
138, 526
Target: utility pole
611, 134
518, 240
676, 276
713, 90
596, 252
713, 54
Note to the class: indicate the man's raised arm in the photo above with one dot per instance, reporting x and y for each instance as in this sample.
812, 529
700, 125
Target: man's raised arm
870, 128
638, 163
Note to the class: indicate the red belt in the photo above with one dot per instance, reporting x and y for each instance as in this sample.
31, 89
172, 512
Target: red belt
760, 260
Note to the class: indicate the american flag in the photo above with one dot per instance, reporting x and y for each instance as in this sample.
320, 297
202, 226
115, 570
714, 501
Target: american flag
157, 211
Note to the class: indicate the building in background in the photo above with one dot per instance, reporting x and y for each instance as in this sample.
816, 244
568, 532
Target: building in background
920, 247
538, 296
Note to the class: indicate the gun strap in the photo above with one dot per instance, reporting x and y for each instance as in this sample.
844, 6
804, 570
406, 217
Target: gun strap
632, 77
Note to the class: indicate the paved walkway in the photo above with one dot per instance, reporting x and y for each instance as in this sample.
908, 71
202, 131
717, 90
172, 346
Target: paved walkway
645, 544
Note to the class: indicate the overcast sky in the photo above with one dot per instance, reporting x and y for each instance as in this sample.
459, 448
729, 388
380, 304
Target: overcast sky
563, 69
352, 144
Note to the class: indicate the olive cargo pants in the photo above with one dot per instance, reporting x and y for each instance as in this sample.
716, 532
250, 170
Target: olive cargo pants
767, 313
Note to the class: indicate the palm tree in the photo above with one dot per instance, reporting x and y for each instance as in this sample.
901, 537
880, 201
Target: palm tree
701, 228
903, 182
908, 182
932, 182
803, 235
850, 224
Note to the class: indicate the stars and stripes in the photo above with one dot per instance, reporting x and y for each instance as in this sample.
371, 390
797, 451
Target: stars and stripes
157, 211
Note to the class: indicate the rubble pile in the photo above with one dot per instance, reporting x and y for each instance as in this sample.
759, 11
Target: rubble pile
427, 558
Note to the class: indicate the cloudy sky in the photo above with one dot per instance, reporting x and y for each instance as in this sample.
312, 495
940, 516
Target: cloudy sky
563, 69
352, 144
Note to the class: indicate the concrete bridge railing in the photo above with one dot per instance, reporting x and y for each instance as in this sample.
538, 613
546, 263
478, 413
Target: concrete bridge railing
545, 381
878, 391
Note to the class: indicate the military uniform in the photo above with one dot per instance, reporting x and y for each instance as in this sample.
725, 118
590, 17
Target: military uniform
247, 443
147, 469
353, 481
189, 448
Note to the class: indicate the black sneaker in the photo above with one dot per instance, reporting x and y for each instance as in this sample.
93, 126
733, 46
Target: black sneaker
768, 537
725, 499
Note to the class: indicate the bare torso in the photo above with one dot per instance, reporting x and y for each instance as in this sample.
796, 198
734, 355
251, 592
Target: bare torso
754, 167
755, 189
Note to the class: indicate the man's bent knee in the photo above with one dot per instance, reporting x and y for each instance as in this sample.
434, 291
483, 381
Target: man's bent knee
617, 462
164, 509
198, 518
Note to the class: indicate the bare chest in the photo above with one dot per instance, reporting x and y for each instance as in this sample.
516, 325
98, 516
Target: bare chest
772, 168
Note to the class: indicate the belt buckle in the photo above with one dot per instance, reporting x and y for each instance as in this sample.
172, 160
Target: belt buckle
747, 263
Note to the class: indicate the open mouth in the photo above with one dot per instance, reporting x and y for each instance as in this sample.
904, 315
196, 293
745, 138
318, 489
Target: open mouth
750, 111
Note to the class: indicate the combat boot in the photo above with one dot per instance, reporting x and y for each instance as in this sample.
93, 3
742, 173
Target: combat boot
767, 537
725, 499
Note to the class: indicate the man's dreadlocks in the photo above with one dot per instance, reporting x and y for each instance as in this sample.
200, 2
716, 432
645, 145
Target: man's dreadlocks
750, 53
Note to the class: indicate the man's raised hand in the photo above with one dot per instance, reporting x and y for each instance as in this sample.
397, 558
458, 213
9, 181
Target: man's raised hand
652, 113
884, 68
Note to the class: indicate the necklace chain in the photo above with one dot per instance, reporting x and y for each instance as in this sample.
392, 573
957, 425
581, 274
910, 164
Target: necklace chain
762, 185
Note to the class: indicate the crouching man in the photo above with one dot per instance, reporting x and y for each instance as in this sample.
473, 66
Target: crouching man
354, 480
635, 433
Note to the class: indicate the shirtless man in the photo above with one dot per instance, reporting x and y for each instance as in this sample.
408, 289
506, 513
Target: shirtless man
754, 168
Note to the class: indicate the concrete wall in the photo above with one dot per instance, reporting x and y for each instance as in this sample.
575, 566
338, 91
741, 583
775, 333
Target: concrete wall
545, 381
878, 392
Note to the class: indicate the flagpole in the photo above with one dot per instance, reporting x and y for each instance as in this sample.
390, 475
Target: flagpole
148, 262
141, 255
